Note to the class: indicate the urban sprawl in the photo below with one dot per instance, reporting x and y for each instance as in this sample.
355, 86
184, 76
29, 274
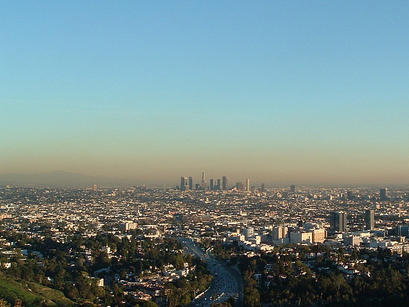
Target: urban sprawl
209, 243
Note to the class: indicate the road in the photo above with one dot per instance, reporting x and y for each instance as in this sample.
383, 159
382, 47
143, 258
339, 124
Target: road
226, 283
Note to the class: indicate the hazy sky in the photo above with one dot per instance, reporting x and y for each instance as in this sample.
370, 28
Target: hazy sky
280, 91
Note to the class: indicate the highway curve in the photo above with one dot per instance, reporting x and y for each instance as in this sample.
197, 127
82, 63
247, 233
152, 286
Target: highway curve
226, 282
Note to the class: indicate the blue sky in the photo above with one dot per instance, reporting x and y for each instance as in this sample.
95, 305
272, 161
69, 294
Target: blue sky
281, 91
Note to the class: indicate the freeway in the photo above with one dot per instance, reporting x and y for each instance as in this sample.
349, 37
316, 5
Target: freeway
226, 283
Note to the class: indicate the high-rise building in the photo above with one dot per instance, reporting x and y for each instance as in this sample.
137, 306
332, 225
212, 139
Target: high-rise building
190, 183
248, 184
383, 194
218, 184
280, 232
203, 181
338, 222
211, 181
184, 183
319, 235
292, 188
370, 219
224, 183
350, 195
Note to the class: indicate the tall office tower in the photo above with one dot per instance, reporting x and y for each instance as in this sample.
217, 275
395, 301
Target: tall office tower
183, 183
338, 221
280, 232
203, 182
263, 188
224, 183
190, 183
369, 219
383, 193
95, 188
248, 184
292, 188
350, 196
218, 184
211, 185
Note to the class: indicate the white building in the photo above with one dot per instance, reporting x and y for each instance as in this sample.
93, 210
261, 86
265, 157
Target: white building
129, 226
319, 235
301, 237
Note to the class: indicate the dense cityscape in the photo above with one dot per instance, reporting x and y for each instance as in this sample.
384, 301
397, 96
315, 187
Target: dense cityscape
206, 244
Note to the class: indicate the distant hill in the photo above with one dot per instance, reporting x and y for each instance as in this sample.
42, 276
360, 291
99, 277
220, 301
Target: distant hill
57, 178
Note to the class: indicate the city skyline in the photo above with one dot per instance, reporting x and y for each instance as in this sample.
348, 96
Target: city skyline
312, 93
69, 179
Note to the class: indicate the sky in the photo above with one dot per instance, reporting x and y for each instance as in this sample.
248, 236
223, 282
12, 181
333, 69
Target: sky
148, 91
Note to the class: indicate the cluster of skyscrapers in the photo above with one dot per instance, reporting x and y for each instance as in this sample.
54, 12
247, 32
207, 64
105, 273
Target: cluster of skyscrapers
383, 195
186, 184
339, 221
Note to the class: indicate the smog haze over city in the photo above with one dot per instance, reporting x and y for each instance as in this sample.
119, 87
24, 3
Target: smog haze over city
204, 153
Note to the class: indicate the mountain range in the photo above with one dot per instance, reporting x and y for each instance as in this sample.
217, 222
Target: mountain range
55, 178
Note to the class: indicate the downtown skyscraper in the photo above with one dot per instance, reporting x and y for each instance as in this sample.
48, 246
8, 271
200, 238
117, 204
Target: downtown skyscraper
184, 184
370, 219
338, 222
224, 183
203, 181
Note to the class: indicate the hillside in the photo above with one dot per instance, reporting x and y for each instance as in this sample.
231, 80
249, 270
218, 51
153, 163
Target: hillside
31, 294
